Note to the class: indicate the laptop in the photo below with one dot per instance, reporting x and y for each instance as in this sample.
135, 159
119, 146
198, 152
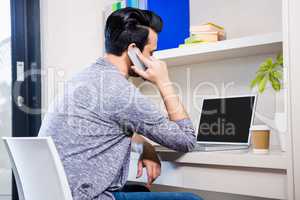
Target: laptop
225, 123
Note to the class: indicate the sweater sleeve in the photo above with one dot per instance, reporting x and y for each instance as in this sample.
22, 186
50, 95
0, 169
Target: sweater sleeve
137, 113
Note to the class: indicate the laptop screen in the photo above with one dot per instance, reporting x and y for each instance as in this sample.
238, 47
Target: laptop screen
226, 120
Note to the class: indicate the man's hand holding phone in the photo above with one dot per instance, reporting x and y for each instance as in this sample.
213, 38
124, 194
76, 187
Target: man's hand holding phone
156, 70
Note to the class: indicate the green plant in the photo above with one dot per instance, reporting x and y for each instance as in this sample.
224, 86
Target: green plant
269, 71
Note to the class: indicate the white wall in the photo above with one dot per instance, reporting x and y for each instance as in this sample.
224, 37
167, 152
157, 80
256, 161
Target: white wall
71, 34
5, 99
239, 17
5, 197
292, 55
5, 182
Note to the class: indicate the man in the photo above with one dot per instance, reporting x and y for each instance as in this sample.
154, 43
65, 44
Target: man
94, 121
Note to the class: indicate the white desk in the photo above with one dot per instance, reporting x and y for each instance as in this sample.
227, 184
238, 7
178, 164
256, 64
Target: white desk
235, 172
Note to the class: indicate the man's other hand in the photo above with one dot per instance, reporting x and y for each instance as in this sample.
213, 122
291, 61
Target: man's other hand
151, 162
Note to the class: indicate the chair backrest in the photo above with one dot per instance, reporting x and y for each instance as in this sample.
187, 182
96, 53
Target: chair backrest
37, 168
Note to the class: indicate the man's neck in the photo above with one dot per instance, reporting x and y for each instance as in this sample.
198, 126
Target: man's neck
120, 62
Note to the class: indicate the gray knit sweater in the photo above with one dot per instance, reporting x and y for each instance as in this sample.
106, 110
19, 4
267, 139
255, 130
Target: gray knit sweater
92, 123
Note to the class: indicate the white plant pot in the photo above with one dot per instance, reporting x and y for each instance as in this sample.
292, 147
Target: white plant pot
283, 141
278, 126
279, 123
281, 126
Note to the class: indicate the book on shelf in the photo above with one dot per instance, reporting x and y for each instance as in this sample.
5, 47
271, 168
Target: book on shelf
203, 37
192, 44
203, 34
208, 27
119, 4
141, 4
132, 3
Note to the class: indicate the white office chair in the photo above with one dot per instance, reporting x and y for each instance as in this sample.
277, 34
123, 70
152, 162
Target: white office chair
38, 170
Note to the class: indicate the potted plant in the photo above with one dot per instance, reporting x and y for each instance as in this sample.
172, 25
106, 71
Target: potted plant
270, 72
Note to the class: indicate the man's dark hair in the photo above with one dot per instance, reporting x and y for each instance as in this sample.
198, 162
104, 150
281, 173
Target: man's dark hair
129, 25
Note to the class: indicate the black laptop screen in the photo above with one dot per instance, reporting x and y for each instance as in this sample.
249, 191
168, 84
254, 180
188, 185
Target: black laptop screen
226, 119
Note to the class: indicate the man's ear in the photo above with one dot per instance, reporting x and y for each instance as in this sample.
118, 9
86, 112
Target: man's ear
132, 45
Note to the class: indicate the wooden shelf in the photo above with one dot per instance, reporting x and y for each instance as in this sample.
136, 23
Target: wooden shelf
237, 158
233, 48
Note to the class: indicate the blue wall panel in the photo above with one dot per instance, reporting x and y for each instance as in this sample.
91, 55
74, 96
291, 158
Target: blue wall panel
176, 17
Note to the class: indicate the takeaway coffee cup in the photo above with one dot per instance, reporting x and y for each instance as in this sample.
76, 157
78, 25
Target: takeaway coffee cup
260, 139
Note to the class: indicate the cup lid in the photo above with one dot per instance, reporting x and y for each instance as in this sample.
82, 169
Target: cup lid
260, 128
